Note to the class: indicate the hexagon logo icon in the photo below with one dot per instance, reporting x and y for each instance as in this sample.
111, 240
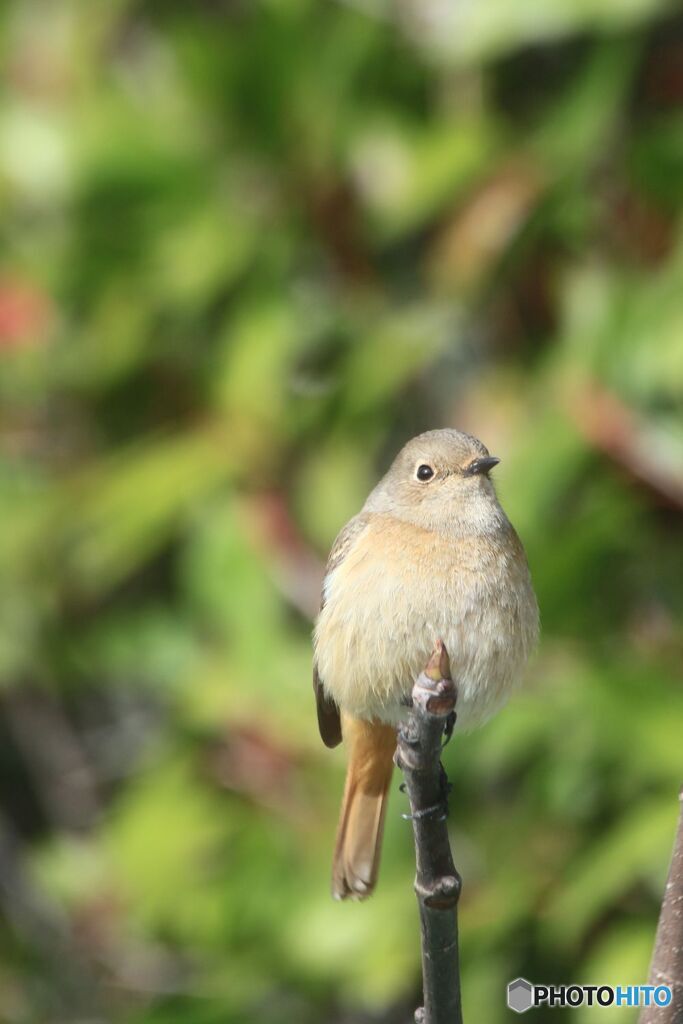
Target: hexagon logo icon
520, 995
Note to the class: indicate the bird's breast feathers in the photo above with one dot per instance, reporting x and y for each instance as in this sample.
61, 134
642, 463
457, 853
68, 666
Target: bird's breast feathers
397, 590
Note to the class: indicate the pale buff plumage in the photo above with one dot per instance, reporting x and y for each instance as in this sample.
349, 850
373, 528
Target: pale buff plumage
424, 560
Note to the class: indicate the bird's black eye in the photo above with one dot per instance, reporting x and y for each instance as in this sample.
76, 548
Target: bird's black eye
424, 472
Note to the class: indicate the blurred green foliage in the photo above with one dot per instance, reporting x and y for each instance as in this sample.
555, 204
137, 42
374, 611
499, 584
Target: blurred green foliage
247, 250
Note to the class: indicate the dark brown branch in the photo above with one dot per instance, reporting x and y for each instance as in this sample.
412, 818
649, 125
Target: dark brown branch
437, 883
54, 756
629, 440
667, 959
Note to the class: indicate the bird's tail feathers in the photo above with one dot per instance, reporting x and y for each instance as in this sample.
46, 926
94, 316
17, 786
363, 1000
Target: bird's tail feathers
361, 823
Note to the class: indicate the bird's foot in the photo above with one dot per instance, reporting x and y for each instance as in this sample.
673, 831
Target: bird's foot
448, 728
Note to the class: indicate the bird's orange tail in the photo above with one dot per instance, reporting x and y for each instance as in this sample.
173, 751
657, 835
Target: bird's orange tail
359, 835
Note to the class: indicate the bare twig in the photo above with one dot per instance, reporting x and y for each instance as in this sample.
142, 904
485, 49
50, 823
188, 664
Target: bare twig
437, 883
54, 756
667, 959
643, 450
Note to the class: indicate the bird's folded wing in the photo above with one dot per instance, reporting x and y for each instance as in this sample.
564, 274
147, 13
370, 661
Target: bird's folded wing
329, 722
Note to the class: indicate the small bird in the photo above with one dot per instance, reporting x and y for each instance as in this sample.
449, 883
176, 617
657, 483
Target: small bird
431, 555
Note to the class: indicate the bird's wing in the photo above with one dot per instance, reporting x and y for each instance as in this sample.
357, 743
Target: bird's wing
329, 722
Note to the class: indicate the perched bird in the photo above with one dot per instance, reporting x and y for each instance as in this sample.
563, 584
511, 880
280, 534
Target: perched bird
431, 555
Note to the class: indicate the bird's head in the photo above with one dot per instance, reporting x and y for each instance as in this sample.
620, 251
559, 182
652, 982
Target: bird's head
439, 477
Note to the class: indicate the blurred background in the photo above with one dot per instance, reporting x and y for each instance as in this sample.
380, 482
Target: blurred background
248, 249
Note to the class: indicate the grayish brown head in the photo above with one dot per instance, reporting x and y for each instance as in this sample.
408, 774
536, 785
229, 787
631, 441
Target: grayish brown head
439, 480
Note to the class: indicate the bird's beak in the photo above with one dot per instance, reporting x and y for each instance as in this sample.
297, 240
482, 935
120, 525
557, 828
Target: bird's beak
481, 466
